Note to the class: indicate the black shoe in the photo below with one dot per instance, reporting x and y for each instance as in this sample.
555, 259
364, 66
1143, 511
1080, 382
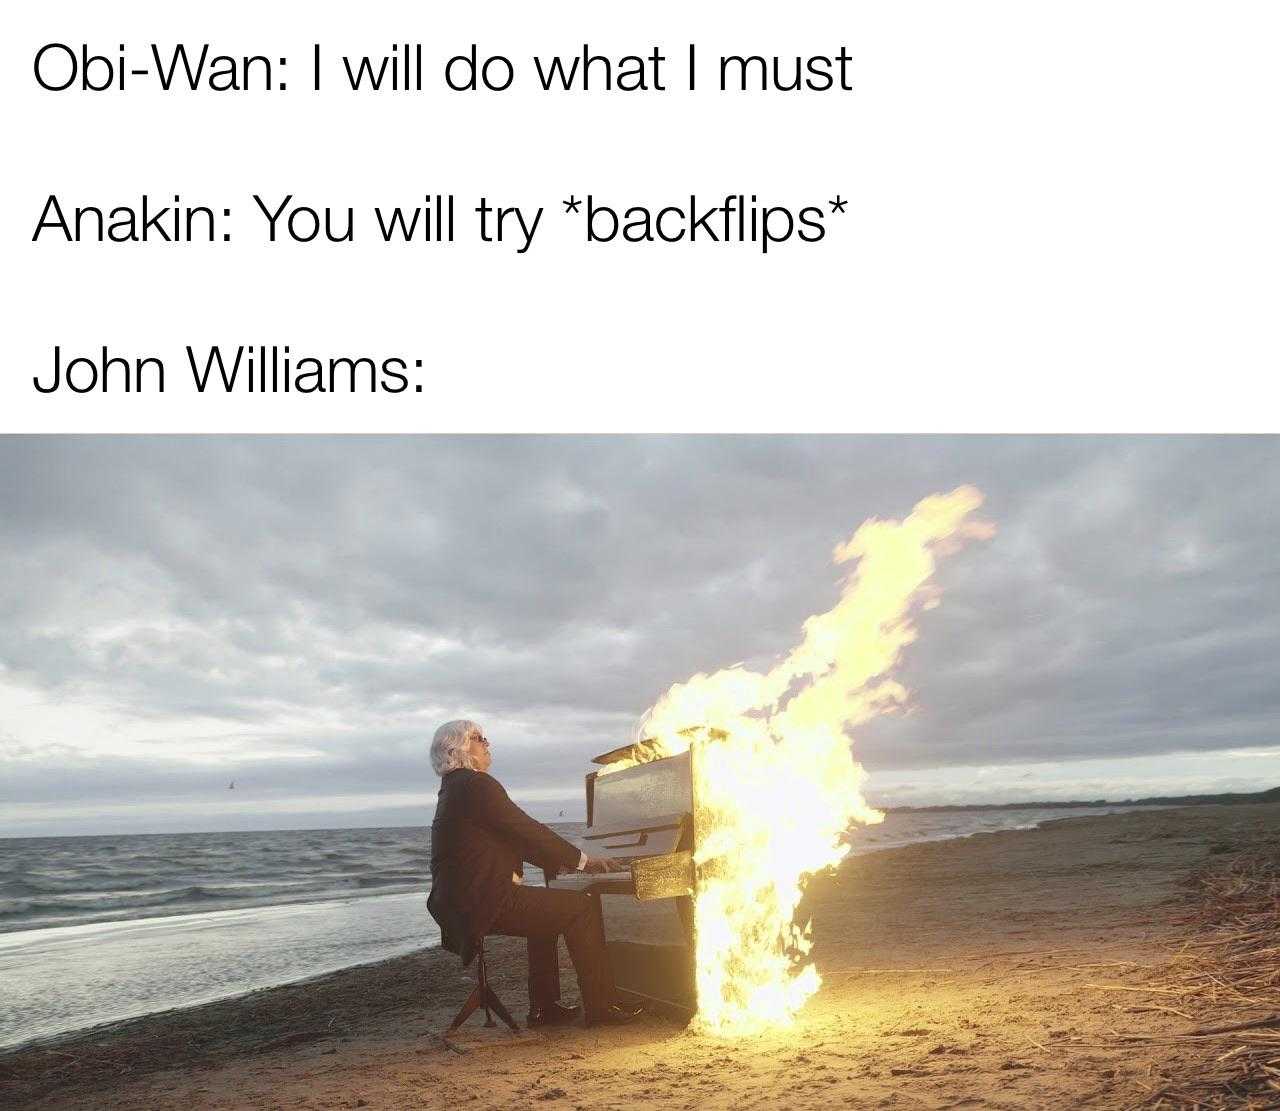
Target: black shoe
619, 1014
553, 1014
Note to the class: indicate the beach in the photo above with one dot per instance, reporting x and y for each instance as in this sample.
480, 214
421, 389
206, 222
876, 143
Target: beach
1008, 969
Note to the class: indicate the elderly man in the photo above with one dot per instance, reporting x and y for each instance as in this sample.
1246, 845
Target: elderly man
479, 841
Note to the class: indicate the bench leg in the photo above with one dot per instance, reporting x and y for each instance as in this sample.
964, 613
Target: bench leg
498, 1006
482, 995
468, 1008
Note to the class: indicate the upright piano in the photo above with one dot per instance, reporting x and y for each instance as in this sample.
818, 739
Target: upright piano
645, 816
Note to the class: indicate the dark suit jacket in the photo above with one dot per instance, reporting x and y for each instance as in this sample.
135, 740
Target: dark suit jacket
478, 839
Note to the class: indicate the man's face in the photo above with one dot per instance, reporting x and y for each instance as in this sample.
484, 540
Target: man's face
479, 748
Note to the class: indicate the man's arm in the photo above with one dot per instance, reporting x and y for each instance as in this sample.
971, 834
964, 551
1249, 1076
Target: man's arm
538, 844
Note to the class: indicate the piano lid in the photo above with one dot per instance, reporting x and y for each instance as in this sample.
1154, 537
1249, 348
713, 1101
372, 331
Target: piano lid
626, 752
636, 749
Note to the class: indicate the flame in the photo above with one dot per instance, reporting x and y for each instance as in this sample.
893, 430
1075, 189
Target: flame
776, 785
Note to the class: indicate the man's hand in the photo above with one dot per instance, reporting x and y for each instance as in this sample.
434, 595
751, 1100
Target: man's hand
599, 864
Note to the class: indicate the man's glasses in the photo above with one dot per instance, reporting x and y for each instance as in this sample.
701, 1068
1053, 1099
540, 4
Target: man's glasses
483, 740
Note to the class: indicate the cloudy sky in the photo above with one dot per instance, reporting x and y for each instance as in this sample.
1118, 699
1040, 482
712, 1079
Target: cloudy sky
297, 615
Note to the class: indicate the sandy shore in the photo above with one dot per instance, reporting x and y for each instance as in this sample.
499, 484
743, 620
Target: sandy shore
990, 972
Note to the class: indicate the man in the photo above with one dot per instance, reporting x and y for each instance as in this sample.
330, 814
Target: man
479, 842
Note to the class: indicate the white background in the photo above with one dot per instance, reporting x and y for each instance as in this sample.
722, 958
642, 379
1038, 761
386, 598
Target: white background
1063, 216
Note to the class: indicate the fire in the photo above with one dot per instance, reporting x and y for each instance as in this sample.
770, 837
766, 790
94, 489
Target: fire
776, 785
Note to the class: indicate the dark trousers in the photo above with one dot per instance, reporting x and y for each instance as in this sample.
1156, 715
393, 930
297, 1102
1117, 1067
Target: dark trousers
542, 915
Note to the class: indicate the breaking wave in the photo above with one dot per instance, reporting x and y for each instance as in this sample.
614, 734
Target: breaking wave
62, 881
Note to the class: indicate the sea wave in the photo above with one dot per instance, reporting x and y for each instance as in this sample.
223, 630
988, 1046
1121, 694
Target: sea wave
36, 884
99, 901
52, 882
383, 881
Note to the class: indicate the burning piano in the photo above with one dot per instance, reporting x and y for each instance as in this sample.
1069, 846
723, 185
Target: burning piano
642, 810
721, 831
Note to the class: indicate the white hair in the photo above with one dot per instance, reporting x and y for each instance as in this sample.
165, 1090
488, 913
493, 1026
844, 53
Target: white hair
449, 747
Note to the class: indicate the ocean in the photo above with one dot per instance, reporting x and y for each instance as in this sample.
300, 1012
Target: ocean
97, 929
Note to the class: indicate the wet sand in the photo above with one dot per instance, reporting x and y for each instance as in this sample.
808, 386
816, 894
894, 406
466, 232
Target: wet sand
993, 971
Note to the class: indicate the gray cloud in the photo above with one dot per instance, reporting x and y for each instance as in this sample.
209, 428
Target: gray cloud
336, 597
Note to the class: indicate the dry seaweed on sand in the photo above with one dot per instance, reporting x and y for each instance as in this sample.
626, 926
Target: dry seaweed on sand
1225, 972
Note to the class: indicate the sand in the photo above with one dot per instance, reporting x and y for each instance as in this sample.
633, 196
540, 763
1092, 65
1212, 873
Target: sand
995, 971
